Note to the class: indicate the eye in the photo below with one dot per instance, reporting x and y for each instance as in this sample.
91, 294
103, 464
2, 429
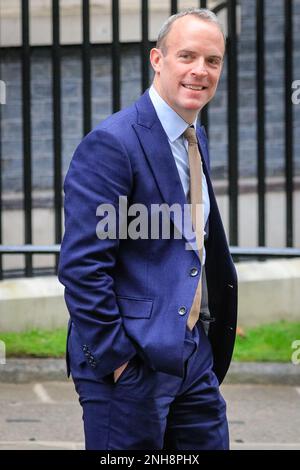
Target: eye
214, 61
185, 55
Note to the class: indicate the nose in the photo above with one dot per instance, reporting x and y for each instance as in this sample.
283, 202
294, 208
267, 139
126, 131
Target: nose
199, 68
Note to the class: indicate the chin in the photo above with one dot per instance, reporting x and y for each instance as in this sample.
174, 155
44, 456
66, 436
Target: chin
194, 106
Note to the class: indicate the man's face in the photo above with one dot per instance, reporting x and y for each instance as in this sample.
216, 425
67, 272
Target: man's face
187, 74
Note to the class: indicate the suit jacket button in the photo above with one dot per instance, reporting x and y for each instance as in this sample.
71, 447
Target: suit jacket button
182, 310
194, 272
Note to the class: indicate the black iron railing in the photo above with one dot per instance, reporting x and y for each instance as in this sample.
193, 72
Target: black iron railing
28, 250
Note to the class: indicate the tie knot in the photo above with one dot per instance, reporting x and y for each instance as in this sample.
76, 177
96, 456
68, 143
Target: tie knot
190, 135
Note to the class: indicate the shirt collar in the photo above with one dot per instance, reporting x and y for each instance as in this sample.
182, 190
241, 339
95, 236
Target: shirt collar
173, 125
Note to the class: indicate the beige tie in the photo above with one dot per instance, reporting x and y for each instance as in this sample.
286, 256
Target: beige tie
197, 212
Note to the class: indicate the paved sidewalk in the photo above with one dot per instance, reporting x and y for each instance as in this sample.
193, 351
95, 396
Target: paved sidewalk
47, 415
41, 370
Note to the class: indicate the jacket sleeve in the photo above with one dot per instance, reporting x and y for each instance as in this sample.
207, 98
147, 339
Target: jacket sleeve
99, 173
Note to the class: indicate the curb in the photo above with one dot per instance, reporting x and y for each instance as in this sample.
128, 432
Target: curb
272, 373
33, 370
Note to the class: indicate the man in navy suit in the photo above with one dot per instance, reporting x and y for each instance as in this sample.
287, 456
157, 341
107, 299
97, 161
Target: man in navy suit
146, 380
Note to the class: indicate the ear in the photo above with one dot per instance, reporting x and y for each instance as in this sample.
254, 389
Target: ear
155, 59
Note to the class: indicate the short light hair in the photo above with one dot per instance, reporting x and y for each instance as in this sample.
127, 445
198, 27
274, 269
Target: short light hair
201, 13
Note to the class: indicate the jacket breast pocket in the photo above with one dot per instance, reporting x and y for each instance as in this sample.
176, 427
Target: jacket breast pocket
134, 308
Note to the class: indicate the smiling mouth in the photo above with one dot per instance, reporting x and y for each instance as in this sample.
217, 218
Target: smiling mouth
194, 87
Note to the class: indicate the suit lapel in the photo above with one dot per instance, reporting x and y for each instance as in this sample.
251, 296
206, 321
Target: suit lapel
154, 142
202, 141
214, 214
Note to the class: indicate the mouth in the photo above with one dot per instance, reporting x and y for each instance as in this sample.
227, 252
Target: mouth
194, 87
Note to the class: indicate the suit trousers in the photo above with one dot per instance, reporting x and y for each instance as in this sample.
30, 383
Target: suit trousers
151, 410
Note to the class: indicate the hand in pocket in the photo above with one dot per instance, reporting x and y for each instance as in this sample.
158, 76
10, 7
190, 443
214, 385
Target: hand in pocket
119, 371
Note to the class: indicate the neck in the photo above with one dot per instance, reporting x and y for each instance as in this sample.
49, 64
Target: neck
188, 116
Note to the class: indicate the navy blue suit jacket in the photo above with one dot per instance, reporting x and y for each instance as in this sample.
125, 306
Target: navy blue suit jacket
124, 296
